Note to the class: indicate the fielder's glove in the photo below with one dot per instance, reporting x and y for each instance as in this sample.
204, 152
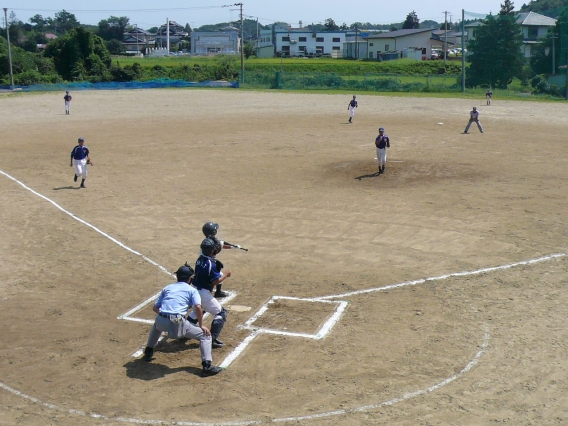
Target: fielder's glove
89, 162
219, 264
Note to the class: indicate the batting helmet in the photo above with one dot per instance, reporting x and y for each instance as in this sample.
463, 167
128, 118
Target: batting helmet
210, 228
184, 273
208, 246
81, 140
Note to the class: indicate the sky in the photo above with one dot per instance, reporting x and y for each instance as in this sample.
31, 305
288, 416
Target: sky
147, 14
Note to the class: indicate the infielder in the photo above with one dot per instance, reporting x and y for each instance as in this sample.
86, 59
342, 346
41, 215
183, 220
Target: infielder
210, 231
473, 116
171, 308
382, 142
67, 99
207, 276
351, 108
80, 156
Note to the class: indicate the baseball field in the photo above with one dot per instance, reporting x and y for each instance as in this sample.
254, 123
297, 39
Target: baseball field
434, 294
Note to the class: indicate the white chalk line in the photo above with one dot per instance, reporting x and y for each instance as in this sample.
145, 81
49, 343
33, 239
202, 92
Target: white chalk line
393, 401
248, 325
443, 277
255, 333
94, 228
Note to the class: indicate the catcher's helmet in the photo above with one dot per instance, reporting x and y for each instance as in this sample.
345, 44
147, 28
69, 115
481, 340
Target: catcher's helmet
210, 228
208, 246
184, 273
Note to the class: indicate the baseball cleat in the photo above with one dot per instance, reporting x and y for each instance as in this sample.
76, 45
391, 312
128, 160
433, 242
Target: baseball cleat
210, 370
220, 294
217, 343
148, 354
75, 178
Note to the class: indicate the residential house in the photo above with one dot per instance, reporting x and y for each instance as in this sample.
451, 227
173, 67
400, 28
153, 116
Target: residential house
356, 45
533, 26
298, 42
177, 34
138, 40
413, 43
226, 41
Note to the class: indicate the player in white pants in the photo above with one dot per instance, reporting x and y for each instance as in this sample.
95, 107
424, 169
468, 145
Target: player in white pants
80, 158
382, 142
351, 107
473, 117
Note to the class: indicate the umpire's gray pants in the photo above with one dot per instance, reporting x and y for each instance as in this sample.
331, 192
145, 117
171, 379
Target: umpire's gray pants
476, 122
178, 327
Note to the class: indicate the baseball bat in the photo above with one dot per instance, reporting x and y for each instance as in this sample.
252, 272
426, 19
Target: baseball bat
234, 245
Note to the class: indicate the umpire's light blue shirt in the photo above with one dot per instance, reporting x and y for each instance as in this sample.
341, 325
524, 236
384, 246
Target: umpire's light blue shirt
177, 298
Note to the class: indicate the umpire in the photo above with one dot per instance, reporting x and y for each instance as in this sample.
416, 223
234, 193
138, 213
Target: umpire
171, 308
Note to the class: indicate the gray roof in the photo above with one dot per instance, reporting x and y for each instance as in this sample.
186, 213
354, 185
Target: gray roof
400, 33
532, 18
526, 18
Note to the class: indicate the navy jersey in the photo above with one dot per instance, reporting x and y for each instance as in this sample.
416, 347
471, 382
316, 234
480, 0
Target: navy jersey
67, 97
205, 273
80, 152
382, 141
353, 103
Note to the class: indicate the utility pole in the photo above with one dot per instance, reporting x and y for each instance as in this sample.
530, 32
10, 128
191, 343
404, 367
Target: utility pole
137, 51
553, 55
9, 48
463, 51
445, 36
242, 44
356, 43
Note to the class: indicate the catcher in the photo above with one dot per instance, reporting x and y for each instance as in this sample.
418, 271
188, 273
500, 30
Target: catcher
473, 116
80, 157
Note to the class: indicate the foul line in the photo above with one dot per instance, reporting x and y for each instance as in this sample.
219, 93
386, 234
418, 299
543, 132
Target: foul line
443, 277
78, 219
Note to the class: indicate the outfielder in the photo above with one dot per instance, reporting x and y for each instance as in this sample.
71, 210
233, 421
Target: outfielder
80, 156
473, 116
382, 142
488, 96
207, 276
67, 99
171, 308
351, 107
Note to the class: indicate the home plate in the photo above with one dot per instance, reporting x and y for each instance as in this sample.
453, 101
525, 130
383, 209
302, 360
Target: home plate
238, 308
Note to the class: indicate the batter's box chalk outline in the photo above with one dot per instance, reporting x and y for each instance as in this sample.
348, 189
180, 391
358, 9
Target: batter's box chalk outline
127, 316
324, 330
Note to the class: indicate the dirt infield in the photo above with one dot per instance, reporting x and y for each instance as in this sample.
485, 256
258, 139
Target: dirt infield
287, 177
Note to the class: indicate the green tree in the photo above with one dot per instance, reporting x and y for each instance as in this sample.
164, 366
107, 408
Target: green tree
73, 55
330, 25
248, 49
39, 23
495, 54
115, 47
113, 27
411, 22
65, 21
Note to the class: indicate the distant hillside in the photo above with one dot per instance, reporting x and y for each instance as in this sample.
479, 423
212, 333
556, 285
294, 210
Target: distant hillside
550, 8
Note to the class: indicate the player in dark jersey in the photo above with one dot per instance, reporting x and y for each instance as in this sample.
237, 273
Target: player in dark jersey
382, 142
80, 156
67, 99
351, 107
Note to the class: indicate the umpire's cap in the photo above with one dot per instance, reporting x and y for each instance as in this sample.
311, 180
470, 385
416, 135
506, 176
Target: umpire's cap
184, 273
81, 140
381, 129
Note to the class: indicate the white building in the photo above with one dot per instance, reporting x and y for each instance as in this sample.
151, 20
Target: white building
391, 45
299, 42
226, 41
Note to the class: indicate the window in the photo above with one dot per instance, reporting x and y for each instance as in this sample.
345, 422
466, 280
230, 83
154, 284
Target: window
336, 40
302, 49
387, 47
302, 39
335, 48
286, 38
533, 32
286, 49
319, 39
370, 44
370, 55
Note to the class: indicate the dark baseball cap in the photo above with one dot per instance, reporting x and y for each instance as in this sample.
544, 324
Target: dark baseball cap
381, 129
81, 140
